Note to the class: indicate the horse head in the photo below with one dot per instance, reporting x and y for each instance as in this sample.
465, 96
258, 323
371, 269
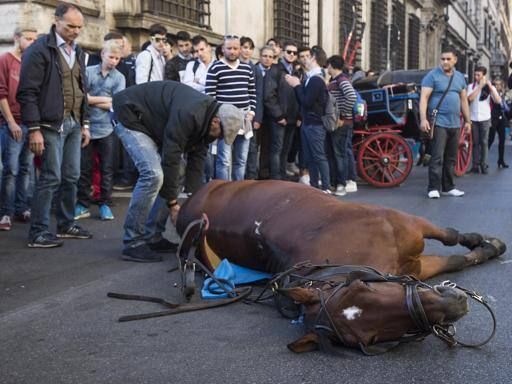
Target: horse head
375, 315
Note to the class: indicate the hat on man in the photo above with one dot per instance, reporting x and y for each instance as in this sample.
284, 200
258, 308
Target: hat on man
231, 120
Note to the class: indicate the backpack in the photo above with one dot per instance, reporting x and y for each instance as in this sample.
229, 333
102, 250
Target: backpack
359, 110
331, 113
195, 66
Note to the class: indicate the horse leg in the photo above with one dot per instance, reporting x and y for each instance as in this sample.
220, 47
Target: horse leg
432, 265
450, 236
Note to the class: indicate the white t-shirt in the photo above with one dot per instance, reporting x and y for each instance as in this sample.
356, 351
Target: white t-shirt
480, 109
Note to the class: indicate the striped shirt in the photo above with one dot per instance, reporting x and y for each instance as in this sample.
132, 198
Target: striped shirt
232, 85
344, 94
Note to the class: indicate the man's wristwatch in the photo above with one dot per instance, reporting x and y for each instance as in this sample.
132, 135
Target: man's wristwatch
172, 203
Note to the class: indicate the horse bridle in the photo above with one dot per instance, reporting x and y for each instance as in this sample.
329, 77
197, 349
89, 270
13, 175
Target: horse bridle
330, 274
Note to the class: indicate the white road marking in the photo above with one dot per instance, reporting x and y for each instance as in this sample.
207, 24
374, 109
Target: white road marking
257, 230
351, 313
506, 261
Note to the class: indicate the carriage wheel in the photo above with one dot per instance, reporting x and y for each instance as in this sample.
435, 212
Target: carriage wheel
384, 160
464, 152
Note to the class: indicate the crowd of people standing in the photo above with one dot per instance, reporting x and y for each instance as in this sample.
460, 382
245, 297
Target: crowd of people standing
63, 105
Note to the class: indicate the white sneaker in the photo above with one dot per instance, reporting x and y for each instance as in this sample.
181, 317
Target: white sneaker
304, 179
5, 223
453, 192
434, 194
327, 191
340, 191
351, 186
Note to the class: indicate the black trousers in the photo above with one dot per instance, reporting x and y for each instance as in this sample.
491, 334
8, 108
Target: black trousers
499, 125
441, 170
104, 148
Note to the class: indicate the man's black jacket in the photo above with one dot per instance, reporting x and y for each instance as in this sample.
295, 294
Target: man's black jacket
177, 118
279, 98
40, 92
174, 66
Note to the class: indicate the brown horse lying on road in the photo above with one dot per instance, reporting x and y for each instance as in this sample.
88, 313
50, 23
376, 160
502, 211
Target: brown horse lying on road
273, 225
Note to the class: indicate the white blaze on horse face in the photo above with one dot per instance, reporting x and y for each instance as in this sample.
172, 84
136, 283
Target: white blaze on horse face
257, 229
351, 313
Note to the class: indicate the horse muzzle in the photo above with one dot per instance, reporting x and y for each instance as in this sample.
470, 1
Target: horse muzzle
456, 302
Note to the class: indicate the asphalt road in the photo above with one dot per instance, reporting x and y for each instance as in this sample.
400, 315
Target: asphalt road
58, 326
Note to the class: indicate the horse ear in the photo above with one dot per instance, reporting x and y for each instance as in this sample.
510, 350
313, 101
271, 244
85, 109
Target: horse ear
306, 343
301, 295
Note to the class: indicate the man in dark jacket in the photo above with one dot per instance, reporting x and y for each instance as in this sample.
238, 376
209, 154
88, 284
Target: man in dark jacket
175, 68
158, 123
282, 105
53, 99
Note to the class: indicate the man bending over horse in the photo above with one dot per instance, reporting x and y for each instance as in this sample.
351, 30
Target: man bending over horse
158, 123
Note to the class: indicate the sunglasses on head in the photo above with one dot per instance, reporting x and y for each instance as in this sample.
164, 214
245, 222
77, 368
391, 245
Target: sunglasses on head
291, 52
159, 39
231, 37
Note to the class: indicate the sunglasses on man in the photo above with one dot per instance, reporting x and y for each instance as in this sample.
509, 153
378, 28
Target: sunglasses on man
159, 39
294, 53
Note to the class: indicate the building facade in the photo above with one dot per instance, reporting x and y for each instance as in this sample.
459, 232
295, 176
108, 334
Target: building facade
373, 34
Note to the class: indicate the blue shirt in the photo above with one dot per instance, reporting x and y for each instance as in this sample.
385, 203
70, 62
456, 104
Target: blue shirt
97, 85
449, 110
68, 56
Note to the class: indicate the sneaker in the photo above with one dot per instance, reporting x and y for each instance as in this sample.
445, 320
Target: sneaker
46, 240
105, 212
351, 186
23, 217
327, 191
123, 186
81, 212
453, 192
5, 223
74, 232
163, 245
304, 179
141, 254
340, 190
434, 194
292, 169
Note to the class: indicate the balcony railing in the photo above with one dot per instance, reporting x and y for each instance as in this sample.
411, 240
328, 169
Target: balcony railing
194, 12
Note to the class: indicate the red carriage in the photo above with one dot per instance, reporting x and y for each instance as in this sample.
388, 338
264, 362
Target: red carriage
383, 146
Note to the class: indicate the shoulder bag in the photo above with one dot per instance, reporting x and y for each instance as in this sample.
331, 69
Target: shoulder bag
433, 116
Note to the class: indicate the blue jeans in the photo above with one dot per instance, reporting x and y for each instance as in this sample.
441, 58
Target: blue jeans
18, 161
281, 141
313, 143
60, 171
480, 131
147, 212
209, 164
343, 155
240, 150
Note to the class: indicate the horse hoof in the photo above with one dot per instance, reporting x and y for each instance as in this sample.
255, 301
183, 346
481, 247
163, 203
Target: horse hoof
471, 240
499, 246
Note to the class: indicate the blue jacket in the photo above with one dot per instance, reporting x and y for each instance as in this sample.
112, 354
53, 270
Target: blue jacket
40, 91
